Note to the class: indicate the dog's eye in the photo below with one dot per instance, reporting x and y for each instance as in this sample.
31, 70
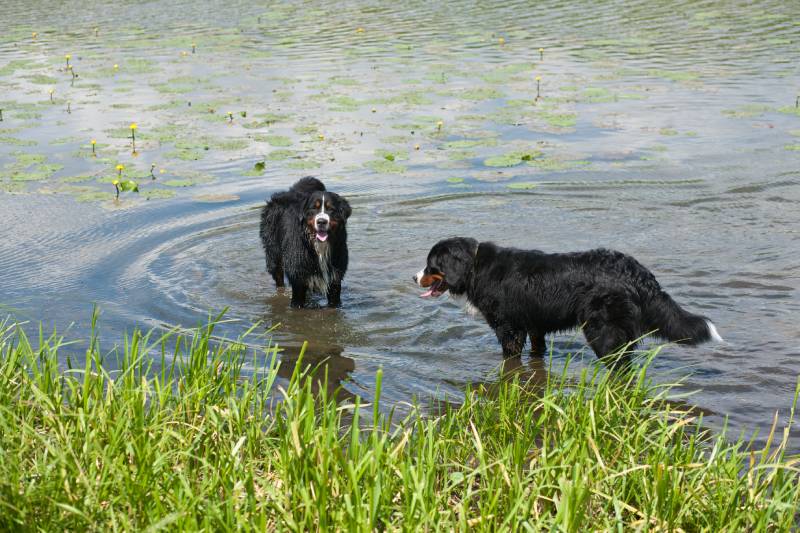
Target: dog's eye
316, 204
328, 205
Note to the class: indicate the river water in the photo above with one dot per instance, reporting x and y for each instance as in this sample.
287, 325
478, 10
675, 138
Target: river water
665, 130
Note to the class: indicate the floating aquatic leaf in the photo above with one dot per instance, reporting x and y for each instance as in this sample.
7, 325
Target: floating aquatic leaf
384, 166
158, 194
674, 75
178, 183
128, 185
559, 120
280, 155
511, 159
274, 140
522, 185
14, 141
41, 79
303, 164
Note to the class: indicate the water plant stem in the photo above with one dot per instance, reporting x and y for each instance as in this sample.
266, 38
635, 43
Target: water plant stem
133, 127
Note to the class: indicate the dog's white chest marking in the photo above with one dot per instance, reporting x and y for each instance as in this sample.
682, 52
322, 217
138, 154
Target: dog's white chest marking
320, 283
470, 309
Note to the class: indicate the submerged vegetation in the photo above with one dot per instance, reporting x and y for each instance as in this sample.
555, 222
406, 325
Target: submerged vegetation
188, 432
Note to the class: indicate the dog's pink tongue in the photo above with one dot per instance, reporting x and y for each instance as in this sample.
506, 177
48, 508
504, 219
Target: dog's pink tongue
322, 237
427, 293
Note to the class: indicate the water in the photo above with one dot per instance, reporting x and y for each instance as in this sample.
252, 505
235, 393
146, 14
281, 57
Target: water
668, 131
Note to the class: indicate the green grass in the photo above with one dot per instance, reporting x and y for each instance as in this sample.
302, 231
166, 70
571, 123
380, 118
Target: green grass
169, 432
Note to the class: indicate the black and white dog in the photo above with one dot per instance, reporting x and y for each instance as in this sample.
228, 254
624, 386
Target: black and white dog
524, 294
304, 234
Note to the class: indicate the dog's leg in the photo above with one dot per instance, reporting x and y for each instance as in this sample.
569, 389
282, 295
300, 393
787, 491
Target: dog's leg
511, 340
335, 293
538, 344
298, 293
275, 264
277, 274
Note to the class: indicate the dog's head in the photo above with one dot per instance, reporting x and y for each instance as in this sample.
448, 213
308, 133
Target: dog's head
325, 214
449, 266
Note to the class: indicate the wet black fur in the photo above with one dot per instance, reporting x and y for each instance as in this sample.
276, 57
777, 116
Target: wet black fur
525, 293
289, 244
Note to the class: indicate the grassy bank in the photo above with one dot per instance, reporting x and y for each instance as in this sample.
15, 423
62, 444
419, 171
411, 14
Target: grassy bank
191, 443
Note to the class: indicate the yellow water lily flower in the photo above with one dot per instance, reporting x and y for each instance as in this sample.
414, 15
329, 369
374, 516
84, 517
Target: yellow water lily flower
133, 126
120, 168
94, 141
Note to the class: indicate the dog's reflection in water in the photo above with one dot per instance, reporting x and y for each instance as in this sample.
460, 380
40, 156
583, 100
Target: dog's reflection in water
324, 366
323, 329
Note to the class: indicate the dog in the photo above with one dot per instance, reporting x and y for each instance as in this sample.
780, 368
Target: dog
529, 293
304, 234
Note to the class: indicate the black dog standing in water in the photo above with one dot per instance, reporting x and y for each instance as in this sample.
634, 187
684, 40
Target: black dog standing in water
524, 293
304, 234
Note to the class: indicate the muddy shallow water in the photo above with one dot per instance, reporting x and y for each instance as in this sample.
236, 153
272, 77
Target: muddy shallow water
669, 133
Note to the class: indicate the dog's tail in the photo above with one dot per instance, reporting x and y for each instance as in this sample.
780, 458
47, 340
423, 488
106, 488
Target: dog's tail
671, 322
307, 185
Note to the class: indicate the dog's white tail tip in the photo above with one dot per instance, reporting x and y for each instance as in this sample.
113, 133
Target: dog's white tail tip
712, 330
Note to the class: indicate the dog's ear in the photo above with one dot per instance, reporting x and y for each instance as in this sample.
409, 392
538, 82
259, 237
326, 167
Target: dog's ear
346, 209
301, 205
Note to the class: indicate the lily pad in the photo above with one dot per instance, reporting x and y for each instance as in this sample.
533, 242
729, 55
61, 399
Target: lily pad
274, 140
303, 164
522, 185
280, 155
559, 120
511, 159
384, 166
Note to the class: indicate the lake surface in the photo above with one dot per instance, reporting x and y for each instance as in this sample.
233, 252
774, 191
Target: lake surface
665, 130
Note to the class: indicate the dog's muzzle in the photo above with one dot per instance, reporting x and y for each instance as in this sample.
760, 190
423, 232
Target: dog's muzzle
322, 223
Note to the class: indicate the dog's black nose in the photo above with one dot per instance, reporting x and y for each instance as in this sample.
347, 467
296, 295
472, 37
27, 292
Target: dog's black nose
322, 222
